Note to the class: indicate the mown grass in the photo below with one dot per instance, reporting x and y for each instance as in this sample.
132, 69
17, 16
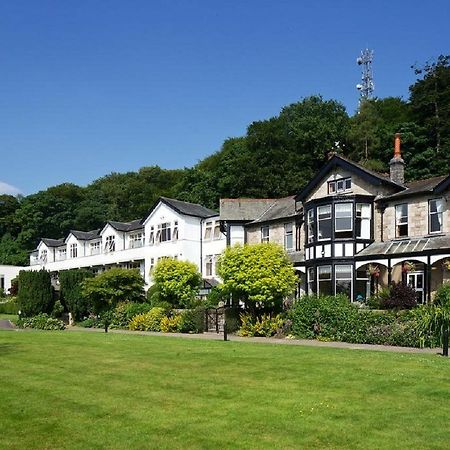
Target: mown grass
92, 391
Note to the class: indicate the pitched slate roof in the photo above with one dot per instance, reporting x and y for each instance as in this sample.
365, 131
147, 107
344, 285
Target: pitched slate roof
188, 209
339, 161
281, 208
127, 226
86, 235
53, 242
243, 209
425, 186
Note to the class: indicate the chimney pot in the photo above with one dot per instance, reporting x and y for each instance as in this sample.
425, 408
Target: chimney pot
397, 165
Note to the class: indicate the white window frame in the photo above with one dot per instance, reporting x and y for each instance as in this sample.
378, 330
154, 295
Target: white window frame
400, 219
73, 250
175, 231
322, 220
151, 239
209, 265
136, 240
217, 234
289, 236
164, 233
265, 233
208, 231
440, 214
110, 243
94, 248
350, 278
310, 223
340, 185
366, 220
343, 230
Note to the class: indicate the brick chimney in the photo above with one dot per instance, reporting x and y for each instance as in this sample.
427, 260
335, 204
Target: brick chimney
397, 165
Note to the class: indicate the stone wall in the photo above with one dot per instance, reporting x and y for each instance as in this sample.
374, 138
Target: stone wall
417, 218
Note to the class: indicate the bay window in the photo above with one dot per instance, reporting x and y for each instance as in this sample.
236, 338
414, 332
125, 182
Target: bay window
343, 220
343, 277
324, 279
324, 222
310, 225
311, 280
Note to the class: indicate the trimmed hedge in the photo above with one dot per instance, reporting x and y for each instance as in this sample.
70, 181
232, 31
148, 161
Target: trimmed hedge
336, 319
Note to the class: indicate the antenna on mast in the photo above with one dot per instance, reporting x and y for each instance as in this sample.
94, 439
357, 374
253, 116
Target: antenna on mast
366, 87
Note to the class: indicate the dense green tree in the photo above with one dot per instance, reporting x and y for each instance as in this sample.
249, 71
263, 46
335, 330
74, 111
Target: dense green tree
258, 275
177, 281
71, 293
103, 292
35, 295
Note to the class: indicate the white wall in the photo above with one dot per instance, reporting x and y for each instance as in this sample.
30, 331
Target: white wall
8, 273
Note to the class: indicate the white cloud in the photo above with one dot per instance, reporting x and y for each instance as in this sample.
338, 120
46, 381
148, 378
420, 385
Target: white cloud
6, 188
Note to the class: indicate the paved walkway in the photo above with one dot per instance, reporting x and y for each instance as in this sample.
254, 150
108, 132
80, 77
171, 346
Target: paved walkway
6, 325
261, 340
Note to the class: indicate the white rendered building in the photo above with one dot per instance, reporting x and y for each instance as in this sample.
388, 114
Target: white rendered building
173, 228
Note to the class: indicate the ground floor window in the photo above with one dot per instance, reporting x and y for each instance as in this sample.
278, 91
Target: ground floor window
324, 280
343, 279
311, 280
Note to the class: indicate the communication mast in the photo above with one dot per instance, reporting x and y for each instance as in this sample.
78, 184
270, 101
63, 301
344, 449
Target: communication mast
366, 87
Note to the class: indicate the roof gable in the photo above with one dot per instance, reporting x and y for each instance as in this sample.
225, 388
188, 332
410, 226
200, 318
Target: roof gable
183, 208
350, 166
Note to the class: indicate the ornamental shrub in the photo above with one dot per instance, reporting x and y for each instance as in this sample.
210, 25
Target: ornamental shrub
70, 284
41, 322
401, 296
173, 324
149, 321
125, 311
35, 294
265, 326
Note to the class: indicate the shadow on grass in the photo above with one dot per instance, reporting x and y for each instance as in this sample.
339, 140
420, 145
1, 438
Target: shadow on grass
9, 348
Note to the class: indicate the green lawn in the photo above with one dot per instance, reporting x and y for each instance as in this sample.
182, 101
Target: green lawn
89, 390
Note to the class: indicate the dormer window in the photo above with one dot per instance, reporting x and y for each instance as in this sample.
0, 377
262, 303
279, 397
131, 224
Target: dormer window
175, 231
341, 185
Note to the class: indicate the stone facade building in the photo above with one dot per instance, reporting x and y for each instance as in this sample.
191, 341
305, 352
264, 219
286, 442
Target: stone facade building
352, 230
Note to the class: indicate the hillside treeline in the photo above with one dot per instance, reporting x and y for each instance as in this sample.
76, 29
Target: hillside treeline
276, 157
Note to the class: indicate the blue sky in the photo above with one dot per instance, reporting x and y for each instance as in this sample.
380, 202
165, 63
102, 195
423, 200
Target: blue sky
93, 87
